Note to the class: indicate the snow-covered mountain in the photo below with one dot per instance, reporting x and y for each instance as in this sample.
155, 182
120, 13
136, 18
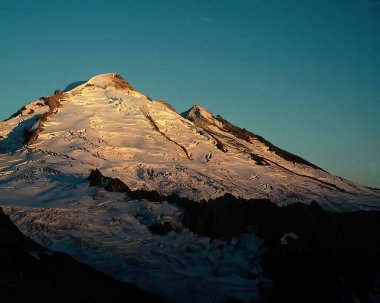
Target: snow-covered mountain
106, 124
49, 147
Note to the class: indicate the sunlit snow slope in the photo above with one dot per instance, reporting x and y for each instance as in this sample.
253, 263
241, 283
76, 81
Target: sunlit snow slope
104, 123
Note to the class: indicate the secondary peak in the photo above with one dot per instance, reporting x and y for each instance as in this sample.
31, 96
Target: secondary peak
197, 112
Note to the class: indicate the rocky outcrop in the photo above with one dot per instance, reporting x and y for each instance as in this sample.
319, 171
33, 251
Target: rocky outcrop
120, 83
259, 160
96, 178
160, 229
53, 101
31, 134
31, 273
116, 185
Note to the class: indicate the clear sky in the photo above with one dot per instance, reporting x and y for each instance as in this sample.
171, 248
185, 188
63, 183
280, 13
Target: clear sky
304, 74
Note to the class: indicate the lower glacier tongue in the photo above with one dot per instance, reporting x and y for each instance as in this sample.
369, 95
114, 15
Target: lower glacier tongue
112, 235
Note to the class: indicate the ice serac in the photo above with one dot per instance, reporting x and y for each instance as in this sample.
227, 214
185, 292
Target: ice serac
106, 124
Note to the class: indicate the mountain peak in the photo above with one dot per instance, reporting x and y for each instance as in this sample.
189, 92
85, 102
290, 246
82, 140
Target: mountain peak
109, 80
104, 77
197, 112
102, 81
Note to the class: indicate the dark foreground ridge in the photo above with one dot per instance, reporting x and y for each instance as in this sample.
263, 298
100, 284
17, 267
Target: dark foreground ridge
31, 273
310, 254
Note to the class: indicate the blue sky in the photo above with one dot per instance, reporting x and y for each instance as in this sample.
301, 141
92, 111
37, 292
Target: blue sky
303, 74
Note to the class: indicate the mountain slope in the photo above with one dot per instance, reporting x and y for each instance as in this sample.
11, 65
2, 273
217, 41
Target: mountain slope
105, 123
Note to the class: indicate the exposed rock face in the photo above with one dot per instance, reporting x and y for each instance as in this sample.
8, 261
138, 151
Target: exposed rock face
54, 103
31, 273
120, 83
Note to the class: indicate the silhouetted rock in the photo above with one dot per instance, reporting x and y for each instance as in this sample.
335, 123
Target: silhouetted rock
160, 228
110, 184
96, 178
259, 160
116, 185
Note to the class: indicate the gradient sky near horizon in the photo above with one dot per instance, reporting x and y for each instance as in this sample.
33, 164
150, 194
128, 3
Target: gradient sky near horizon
304, 74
